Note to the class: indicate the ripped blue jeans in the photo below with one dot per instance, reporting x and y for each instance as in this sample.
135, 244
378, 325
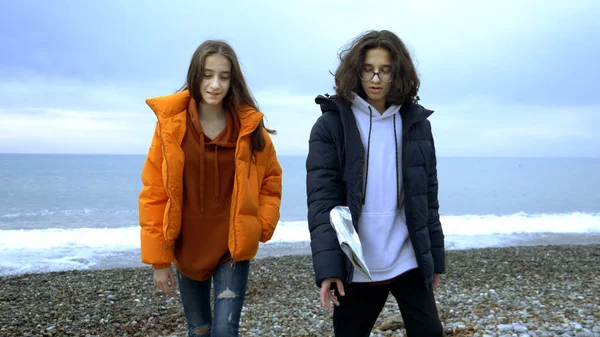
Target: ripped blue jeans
230, 281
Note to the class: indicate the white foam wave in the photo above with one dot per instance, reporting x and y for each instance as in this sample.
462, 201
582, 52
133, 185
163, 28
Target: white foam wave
297, 231
41, 250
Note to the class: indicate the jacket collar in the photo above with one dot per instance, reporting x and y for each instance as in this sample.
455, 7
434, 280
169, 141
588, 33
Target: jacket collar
168, 106
411, 113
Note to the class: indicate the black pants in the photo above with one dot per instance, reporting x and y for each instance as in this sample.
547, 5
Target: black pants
363, 302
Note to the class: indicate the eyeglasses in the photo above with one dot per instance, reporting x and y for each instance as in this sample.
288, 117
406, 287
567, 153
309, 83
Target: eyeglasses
368, 75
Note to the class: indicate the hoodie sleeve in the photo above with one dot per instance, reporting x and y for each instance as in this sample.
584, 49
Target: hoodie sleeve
436, 235
325, 190
270, 193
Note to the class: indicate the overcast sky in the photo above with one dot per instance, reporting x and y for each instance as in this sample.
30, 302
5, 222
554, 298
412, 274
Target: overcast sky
512, 78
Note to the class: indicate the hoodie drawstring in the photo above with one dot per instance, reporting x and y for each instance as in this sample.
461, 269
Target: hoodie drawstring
202, 163
400, 194
226, 141
368, 154
217, 181
216, 169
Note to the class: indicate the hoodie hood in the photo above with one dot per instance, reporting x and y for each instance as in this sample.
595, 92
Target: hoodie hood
359, 104
226, 139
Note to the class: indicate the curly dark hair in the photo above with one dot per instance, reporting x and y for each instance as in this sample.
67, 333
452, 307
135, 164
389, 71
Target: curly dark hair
405, 83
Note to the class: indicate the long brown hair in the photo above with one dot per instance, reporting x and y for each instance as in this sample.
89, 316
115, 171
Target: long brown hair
239, 94
405, 81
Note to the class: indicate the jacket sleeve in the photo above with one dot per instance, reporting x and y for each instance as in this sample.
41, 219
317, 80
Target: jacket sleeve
436, 235
152, 203
269, 202
325, 190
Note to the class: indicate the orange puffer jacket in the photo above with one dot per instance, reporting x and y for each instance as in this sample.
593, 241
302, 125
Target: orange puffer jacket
256, 192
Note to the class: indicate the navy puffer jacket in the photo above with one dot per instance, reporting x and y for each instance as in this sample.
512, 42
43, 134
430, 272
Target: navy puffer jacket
334, 176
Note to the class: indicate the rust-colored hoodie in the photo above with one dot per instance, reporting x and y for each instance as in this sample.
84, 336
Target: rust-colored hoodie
208, 174
255, 196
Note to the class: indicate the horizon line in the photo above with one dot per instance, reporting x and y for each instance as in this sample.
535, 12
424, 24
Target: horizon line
293, 155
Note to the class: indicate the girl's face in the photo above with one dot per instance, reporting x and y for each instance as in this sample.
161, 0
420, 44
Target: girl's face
376, 75
216, 79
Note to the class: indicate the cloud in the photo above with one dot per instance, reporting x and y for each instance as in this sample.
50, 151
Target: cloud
55, 130
292, 116
469, 127
31, 114
483, 127
463, 47
506, 78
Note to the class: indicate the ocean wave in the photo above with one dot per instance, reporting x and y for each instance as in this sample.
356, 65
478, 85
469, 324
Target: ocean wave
124, 238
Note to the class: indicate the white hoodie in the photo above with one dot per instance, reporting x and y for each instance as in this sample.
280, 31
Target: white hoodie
382, 226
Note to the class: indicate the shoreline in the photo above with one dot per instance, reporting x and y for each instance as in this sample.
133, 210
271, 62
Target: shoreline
525, 290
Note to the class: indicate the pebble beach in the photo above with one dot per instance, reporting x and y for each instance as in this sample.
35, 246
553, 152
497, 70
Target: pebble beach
501, 292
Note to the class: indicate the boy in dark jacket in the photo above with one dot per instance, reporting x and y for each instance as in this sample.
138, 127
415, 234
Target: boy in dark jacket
372, 150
